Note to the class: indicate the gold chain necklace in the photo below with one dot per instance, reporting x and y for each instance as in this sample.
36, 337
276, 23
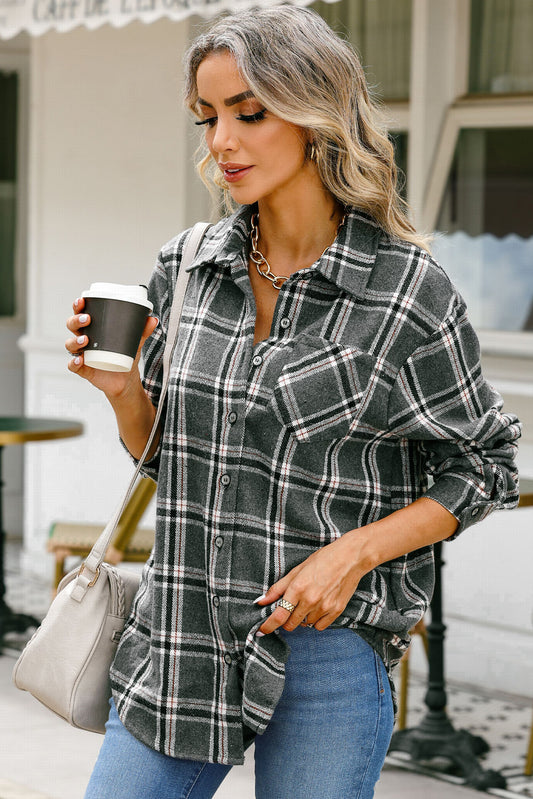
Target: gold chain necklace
261, 263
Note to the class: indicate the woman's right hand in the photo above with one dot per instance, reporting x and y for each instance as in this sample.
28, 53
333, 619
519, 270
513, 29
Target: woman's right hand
113, 384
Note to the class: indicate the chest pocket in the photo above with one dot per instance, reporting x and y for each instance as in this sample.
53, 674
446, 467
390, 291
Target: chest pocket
319, 394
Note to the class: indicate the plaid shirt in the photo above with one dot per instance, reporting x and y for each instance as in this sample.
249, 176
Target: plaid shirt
369, 382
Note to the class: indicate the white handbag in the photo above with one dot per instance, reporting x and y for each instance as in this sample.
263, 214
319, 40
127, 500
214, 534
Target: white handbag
65, 665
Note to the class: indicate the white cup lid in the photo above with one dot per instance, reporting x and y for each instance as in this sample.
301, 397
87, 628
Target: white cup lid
117, 291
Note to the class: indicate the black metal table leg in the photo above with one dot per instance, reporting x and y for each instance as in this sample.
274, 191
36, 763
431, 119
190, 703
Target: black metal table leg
9, 621
436, 736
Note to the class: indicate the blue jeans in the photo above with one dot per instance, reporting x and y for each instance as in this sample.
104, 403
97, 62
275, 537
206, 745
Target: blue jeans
327, 738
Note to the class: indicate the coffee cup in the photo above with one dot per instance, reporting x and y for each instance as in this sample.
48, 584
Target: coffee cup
118, 316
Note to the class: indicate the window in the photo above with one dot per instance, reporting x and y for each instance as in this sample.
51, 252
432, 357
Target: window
8, 190
487, 226
380, 31
501, 50
400, 141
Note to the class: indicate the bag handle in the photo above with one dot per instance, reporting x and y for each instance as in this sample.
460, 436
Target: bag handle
89, 570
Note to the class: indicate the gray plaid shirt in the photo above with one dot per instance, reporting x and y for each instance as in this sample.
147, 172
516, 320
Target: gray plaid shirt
369, 383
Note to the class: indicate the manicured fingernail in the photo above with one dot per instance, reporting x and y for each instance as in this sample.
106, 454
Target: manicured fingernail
77, 361
77, 302
259, 634
84, 318
80, 339
259, 598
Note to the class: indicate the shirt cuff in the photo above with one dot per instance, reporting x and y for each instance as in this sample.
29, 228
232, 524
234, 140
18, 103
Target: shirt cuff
467, 501
150, 468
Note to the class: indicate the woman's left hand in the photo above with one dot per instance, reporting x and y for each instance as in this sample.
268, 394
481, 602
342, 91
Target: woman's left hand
320, 588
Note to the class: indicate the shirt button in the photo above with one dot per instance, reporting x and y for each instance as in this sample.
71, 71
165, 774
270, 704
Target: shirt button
225, 479
232, 418
227, 658
216, 601
257, 361
475, 512
219, 541
285, 322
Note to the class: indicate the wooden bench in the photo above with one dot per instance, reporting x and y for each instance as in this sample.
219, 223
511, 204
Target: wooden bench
75, 539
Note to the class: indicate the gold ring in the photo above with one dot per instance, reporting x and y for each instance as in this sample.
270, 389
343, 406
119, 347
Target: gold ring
283, 603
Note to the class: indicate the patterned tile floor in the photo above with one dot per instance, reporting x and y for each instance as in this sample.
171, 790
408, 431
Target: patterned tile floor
503, 720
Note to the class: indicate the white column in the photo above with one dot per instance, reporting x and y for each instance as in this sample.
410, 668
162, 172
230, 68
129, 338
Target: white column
439, 59
107, 190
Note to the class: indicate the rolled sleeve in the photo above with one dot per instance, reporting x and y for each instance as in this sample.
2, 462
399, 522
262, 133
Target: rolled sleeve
149, 468
152, 353
467, 444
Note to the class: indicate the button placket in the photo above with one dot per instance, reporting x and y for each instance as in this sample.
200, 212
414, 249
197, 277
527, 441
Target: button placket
221, 548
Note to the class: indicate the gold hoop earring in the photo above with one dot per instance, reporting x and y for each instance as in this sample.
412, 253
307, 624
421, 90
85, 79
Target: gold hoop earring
313, 153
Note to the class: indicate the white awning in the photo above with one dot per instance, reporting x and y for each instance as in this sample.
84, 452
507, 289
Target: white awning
38, 16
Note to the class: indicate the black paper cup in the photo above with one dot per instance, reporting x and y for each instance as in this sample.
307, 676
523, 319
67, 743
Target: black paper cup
118, 315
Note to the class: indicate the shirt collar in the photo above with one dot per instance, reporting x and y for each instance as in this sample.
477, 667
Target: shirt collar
348, 262
225, 241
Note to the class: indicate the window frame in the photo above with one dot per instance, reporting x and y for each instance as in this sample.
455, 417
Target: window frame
19, 63
398, 115
509, 111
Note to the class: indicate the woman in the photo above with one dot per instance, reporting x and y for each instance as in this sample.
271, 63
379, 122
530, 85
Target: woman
325, 367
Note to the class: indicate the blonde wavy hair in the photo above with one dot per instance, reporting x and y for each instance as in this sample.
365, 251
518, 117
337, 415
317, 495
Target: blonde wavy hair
304, 73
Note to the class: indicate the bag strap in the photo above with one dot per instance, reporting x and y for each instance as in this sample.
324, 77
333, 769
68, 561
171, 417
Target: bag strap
89, 570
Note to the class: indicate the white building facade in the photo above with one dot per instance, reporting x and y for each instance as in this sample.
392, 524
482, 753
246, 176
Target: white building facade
104, 176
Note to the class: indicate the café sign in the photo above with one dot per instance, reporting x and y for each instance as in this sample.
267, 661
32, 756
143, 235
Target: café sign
38, 16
